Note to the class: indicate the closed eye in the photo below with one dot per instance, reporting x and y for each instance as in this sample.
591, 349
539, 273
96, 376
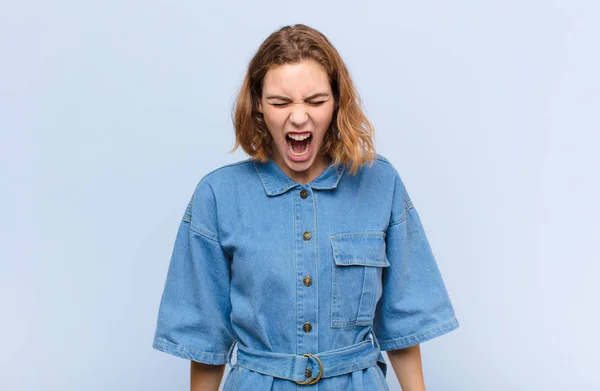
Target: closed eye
319, 103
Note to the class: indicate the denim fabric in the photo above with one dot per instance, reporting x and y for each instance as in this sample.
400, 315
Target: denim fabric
250, 235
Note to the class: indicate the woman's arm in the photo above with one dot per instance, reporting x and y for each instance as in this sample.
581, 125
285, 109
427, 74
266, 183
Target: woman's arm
205, 377
407, 365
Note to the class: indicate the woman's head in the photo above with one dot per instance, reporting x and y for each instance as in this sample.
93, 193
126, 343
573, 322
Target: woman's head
297, 85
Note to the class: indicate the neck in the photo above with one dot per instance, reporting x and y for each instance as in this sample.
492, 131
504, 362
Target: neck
320, 164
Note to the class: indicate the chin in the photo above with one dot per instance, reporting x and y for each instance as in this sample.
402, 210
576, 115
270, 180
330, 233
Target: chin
300, 166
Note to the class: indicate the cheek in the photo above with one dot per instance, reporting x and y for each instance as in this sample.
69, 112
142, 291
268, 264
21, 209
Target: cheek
322, 118
274, 119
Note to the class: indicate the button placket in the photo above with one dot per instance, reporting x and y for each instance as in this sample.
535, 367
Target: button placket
306, 269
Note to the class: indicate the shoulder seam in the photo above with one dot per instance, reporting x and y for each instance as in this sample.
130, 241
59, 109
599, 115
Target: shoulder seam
407, 201
383, 159
187, 216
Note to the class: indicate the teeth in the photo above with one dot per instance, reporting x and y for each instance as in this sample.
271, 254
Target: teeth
298, 153
299, 137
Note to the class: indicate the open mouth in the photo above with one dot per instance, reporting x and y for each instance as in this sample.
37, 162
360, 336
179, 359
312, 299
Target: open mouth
299, 144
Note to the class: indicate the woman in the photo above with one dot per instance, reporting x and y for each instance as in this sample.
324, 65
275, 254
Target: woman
309, 256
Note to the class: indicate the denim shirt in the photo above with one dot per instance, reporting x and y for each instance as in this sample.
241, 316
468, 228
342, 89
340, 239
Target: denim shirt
279, 266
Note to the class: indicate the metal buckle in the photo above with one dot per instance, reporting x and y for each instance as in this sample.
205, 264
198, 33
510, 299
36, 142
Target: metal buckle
314, 379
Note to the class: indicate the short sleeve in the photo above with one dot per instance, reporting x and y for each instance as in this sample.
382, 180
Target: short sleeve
194, 312
414, 306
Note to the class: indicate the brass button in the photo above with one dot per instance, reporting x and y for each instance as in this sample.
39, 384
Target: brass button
307, 280
306, 235
303, 193
308, 372
307, 327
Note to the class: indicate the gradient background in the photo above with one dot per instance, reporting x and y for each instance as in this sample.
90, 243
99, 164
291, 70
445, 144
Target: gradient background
110, 113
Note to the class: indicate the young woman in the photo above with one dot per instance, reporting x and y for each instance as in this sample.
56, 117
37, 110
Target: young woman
309, 256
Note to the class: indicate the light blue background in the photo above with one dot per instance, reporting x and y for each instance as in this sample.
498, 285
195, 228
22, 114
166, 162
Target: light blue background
110, 112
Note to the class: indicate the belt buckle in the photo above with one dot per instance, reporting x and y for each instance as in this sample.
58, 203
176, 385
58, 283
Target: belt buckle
314, 379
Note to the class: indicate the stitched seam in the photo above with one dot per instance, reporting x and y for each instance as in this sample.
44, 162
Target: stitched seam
296, 249
407, 201
397, 178
179, 347
216, 212
204, 233
398, 220
372, 303
364, 262
340, 323
333, 289
382, 159
439, 326
357, 234
187, 216
317, 264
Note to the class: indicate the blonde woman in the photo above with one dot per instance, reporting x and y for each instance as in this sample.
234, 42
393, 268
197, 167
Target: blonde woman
309, 256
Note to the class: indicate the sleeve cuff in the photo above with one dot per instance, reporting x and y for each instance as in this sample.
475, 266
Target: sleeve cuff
190, 354
425, 335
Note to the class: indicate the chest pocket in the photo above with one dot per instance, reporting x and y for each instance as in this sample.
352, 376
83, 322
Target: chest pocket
359, 259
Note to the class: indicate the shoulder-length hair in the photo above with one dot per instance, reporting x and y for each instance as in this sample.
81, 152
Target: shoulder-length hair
348, 140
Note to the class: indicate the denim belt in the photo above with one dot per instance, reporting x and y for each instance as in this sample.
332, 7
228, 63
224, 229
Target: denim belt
325, 364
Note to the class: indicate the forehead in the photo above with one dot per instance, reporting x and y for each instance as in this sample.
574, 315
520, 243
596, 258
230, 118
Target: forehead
296, 79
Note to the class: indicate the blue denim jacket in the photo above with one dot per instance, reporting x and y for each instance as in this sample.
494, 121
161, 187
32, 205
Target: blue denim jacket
282, 269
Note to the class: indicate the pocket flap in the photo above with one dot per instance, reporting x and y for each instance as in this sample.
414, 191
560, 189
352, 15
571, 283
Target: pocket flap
365, 248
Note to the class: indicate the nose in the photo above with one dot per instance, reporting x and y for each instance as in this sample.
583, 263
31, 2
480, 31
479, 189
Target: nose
298, 115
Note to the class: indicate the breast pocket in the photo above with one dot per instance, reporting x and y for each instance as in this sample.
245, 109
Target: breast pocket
359, 259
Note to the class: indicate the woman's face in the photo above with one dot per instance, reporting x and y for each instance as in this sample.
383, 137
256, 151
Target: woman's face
297, 105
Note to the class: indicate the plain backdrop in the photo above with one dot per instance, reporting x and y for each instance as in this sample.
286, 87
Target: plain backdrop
111, 112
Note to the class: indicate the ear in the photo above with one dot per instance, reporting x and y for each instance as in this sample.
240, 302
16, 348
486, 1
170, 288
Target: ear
260, 110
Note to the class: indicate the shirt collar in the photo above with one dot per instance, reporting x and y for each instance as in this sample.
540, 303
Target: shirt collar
277, 182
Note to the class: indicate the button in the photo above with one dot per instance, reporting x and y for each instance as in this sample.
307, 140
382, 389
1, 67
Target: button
306, 235
308, 372
307, 327
303, 193
307, 280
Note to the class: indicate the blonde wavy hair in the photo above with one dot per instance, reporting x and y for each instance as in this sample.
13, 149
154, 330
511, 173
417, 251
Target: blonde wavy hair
349, 138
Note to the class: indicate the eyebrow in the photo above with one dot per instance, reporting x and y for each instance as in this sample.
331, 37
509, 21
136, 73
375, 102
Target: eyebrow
313, 96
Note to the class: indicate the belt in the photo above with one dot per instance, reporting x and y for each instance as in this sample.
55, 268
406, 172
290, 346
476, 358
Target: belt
299, 368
